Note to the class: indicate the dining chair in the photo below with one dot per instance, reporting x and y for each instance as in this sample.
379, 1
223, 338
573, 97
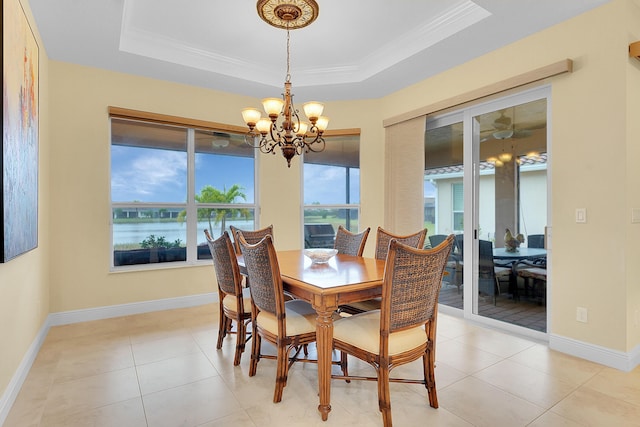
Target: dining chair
534, 274
289, 325
404, 329
251, 236
349, 243
490, 274
436, 239
535, 241
453, 263
383, 237
234, 304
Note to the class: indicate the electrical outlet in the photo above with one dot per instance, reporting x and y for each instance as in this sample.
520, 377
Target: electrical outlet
581, 314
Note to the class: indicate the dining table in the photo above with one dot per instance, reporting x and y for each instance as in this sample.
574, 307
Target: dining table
511, 258
344, 279
519, 254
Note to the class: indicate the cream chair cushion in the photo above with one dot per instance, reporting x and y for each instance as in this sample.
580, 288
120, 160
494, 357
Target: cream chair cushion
363, 331
229, 301
301, 319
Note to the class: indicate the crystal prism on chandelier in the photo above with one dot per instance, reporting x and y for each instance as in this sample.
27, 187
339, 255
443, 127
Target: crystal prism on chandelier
292, 135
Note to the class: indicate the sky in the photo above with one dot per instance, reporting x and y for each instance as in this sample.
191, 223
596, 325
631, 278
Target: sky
156, 176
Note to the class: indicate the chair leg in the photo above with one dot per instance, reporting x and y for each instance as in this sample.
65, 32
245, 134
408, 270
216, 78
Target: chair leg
222, 328
281, 372
430, 378
343, 365
255, 353
384, 395
241, 338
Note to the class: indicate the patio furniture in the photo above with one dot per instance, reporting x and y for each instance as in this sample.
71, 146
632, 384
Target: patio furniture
534, 274
489, 274
535, 241
319, 236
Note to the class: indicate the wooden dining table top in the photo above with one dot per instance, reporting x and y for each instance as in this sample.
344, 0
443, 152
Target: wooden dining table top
342, 271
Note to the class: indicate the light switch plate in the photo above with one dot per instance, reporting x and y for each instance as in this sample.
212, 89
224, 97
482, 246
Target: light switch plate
635, 215
581, 215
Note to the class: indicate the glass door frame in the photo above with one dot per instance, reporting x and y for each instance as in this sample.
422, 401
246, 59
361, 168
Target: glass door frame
471, 180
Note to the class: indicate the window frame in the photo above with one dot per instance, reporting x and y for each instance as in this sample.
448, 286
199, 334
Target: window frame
457, 187
190, 205
357, 206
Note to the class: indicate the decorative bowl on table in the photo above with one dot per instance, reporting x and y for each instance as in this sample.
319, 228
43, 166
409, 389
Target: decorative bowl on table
320, 256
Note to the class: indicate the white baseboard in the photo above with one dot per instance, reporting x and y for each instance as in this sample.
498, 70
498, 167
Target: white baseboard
84, 315
76, 316
595, 353
12, 390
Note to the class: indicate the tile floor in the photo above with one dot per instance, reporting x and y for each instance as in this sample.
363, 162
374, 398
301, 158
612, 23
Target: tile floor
162, 369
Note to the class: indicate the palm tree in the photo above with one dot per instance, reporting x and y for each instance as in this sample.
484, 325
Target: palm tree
210, 194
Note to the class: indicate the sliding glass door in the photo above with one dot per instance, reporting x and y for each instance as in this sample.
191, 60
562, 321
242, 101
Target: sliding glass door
486, 182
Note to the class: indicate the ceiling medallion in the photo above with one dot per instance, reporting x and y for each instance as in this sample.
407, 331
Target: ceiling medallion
291, 14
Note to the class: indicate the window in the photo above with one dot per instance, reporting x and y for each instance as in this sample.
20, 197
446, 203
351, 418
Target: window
331, 190
169, 182
458, 207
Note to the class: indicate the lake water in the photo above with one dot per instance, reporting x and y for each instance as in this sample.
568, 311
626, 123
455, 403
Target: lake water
135, 233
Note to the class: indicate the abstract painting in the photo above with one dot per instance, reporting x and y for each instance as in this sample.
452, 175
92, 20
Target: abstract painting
19, 133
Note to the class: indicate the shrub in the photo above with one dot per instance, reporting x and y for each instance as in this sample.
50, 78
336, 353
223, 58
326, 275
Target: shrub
160, 242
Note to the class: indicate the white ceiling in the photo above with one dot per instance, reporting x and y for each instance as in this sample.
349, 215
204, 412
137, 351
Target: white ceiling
356, 49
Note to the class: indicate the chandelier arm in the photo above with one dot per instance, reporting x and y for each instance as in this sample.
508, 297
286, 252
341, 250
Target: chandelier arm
267, 146
250, 138
275, 137
317, 145
299, 144
296, 116
313, 130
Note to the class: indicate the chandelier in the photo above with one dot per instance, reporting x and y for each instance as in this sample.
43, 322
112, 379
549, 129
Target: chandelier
292, 135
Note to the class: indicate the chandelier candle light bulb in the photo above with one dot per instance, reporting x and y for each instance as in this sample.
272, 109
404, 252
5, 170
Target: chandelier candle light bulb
292, 135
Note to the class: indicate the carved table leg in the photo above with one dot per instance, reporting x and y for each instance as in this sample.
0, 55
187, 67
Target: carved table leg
324, 343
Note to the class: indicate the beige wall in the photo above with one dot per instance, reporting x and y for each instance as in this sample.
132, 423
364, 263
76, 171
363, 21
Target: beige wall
594, 264
632, 184
24, 281
591, 134
80, 181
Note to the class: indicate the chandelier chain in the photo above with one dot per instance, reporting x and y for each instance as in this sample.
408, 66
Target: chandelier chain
288, 77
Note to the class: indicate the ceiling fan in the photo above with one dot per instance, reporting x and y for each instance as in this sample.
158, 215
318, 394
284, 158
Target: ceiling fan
504, 127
